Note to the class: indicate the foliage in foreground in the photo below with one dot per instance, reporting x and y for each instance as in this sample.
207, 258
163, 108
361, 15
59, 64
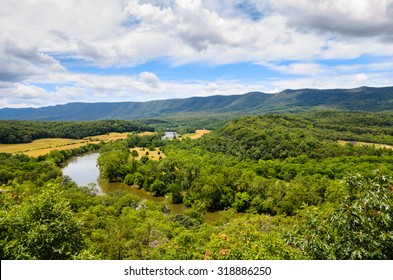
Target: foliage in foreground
361, 227
40, 226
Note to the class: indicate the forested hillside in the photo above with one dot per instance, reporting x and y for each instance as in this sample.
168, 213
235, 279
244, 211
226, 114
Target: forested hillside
313, 134
358, 99
286, 187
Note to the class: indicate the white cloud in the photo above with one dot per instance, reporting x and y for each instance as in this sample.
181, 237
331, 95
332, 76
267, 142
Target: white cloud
353, 18
150, 79
333, 81
131, 32
18, 61
303, 69
21, 95
361, 77
286, 36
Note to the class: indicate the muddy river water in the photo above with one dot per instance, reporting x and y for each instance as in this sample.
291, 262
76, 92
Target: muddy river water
83, 170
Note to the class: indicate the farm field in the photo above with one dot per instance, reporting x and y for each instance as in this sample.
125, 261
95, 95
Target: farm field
43, 146
198, 134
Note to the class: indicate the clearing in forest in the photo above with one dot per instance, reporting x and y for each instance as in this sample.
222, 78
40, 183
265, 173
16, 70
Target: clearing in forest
356, 143
198, 134
45, 145
153, 155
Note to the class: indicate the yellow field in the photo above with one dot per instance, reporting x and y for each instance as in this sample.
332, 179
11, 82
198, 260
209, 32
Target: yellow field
153, 155
43, 146
108, 137
41, 152
341, 142
198, 134
146, 133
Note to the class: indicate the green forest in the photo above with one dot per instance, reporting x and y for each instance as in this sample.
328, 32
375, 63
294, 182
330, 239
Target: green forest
287, 186
13, 132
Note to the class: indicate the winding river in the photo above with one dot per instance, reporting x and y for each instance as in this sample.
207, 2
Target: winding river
83, 170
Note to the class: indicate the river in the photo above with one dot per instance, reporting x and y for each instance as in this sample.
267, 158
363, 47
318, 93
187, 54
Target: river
83, 170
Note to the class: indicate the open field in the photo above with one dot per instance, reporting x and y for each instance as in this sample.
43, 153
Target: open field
146, 133
43, 146
198, 134
153, 155
110, 136
380, 146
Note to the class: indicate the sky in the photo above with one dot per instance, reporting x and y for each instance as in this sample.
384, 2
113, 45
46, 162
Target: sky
62, 51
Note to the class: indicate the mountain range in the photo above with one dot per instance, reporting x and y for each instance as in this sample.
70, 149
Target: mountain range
356, 99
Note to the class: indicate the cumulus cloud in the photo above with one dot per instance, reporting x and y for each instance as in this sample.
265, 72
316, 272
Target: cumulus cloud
20, 62
189, 23
110, 33
22, 95
287, 37
354, 18
150, 79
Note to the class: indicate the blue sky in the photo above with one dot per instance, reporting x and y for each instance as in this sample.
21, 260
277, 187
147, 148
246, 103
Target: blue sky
245, 71
57, 52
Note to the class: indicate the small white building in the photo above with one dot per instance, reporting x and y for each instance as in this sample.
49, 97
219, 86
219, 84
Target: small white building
170, 135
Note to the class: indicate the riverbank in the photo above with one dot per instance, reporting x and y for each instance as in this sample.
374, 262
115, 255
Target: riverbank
83, 171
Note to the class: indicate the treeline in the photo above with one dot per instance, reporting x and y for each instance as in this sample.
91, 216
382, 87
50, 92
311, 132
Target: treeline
183, 124
12, 132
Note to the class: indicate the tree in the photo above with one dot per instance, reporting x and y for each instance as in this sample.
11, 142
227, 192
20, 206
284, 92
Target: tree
242, 202
360, 228
134, 153
144, 159
158, 187
41, 227
111, 165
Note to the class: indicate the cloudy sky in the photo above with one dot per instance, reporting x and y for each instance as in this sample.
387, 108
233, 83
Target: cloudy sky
61, 51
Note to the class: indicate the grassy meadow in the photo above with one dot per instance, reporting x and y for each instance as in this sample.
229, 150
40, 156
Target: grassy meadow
198, 134
153, 155
359, 144
43, 146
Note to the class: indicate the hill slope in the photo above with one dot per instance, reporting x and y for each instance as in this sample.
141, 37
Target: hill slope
363, 99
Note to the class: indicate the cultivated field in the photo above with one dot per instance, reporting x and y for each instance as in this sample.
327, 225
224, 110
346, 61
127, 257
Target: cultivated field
198, 134
43, 146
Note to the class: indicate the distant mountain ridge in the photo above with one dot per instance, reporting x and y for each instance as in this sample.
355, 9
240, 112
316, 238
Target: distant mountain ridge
359, 99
